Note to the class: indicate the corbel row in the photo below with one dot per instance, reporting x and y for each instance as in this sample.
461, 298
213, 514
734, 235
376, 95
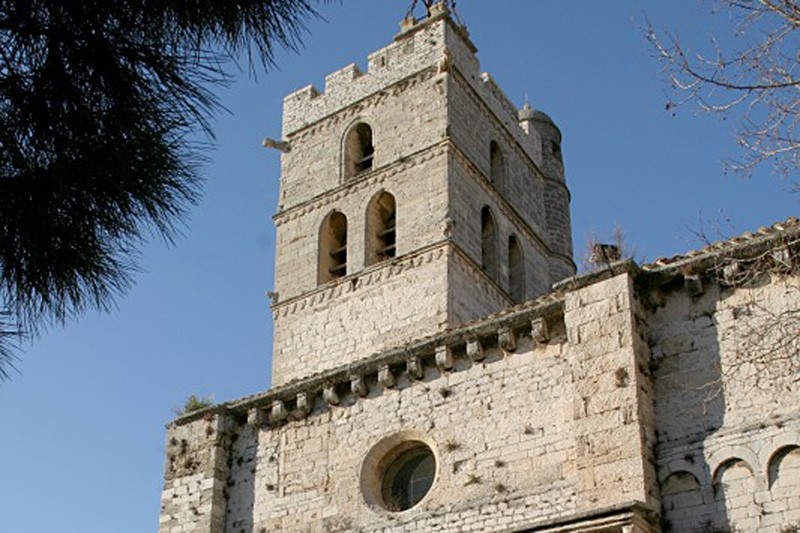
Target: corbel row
282, 410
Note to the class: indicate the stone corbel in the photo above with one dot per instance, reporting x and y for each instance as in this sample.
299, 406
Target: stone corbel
303, 404
330, 396
444, 358
507, 339
729, 273
475, 350
385, 377
414, 368
255, 417
278, 413
358, 386
539, 331
693, 284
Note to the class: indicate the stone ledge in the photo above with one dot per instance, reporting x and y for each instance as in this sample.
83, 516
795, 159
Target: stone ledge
621, 516
355, 185
611, 270
485, 332
363, 278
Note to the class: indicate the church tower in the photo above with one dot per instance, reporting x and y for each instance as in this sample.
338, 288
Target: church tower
428, 374
414, 197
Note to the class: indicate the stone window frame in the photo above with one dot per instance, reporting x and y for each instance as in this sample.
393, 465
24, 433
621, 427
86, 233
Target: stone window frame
516, 269
358, 149
489, 245
381, 228
381, 456
332, 260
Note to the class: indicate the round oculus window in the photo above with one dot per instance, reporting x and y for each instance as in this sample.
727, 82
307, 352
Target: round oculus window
408, 478
398, 472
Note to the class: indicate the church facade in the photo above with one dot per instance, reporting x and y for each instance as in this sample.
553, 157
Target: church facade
437, 364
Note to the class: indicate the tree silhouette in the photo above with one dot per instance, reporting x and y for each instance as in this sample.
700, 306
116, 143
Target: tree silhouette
97, 102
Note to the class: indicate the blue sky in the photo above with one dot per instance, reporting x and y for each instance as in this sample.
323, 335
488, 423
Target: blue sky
83, 423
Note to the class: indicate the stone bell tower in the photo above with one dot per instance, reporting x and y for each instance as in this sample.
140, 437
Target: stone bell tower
414, 197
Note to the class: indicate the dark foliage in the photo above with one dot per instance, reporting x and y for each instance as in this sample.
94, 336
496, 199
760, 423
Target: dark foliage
97, 100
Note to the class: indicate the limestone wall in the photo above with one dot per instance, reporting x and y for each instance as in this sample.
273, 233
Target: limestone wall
535, 417
727, 405
405, 118
469, 193
411, 52
196, 475
473, 294
419, 185
352, 318
522, 185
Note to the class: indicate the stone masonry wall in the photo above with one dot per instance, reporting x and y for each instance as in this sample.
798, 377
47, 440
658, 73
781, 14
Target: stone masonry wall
196, 474
727, 406
406, 118
612, 399
473, 294
500, 432
412, 51
469, 193
523, 184
395, 301
419, 186
538, 427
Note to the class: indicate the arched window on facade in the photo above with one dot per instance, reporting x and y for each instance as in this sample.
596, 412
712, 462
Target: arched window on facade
332, 248
497, 168
516, 269
381, 241
359, 152
488, 243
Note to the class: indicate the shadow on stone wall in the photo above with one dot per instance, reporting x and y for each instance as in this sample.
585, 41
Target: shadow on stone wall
729, 442
240, 489
690, 406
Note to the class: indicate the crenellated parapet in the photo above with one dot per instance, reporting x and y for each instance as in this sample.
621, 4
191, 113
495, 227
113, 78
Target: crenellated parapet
421, 46
436, 43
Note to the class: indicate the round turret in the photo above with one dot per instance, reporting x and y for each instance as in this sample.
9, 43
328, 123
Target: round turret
556, 193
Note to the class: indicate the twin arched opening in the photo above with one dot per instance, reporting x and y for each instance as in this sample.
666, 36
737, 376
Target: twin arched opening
332, 248
380, 242
381, 239
490, 254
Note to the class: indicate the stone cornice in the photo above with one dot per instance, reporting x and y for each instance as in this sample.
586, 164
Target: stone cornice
363, 278
384, 270
775, 249
610, 518
366, 180
500, 329
748, 246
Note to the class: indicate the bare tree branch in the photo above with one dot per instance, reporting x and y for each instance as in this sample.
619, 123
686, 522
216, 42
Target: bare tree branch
756, 79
